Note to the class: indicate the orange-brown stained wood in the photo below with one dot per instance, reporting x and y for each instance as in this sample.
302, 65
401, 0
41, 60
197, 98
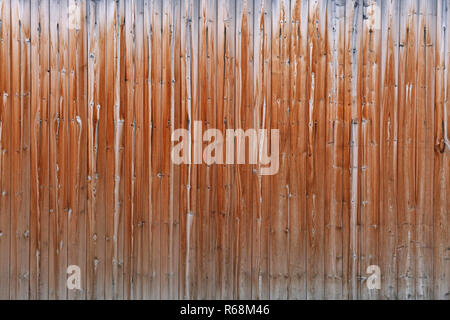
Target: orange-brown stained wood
129, 154
164, 173
91, 92
407, 152
111, 165
244, 109
262, 27
388, 148
97, 151
352, 155
424, 148
35, 124
280, 113
334, 149
20, 144
441, 203
78, 143
298, 150
225, 74
316, 147
156, 149
370, 135
5, 147
40, 253
139, 177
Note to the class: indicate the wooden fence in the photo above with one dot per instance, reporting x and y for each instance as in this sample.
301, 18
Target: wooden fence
92, 90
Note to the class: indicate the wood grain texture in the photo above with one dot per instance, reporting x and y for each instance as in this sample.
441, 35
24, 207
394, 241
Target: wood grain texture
93, 90
389, 148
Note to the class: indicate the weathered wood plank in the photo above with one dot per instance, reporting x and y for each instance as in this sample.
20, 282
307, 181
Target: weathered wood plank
164, 173
156, 149
35, 124
262, 27
185, 121
211, 170
119, 149
407, 148
78, 144
140, 181
352, 152
225, 120
5, 147
441, 203
175, 176
388, 148
316, 137
370, 135
334, 149
244, 109
424, 149
44, 155
112, 125
129, 151
20, 145
96, 150
279, 222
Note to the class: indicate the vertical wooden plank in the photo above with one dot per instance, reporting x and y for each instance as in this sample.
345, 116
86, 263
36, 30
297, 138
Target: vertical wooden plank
206, 172
42, 255
119, 157
175, 183
54, 122
58, 148
370, 134
147, 206
129, 151
77, 147
316, 147
225, 120
20, 175
388, 147
82, 111
262, 26
424, 149
211, 170
406, 144
352, 152
244, 121
139, 190
279, 222
63, 147
112, 125
96, 150
5, 147
194, 227
298, 149
334, 149
164, 173
202, 232
441, 203
156, 148
62, 170
35, 123
184, 167
100, 106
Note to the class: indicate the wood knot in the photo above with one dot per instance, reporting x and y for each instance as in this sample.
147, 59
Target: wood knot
440, 147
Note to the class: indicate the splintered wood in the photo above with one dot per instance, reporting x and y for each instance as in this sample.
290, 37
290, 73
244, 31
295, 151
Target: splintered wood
91, 93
